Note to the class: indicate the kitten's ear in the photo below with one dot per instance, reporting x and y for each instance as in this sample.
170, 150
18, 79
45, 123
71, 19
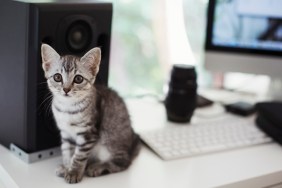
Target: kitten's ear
91, 60
49, 56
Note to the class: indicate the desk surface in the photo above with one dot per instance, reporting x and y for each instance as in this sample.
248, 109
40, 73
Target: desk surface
257, 166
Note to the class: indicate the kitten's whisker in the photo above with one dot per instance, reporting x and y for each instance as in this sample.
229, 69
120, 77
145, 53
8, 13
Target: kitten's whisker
47, 98
47, 107
45, 102
47, 94
41, 83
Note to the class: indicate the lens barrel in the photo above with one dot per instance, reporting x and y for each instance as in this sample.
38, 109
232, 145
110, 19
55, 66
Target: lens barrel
180, 101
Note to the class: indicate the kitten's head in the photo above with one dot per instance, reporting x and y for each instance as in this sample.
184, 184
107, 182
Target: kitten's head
70, 76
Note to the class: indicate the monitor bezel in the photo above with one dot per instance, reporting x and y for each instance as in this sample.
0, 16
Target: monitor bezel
211, 47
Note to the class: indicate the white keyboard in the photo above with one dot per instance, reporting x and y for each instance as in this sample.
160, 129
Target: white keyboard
180, 141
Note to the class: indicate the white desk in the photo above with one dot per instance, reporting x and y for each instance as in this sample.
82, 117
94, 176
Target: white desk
257, 166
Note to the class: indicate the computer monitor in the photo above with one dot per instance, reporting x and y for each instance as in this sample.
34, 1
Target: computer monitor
244, 36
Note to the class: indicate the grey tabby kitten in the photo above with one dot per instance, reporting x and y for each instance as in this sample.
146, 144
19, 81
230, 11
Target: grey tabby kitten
94, 123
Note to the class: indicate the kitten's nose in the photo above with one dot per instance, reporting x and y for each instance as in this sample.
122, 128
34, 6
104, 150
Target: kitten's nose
66, 90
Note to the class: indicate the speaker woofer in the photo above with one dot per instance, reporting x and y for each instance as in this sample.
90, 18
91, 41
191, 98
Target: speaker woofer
78, 36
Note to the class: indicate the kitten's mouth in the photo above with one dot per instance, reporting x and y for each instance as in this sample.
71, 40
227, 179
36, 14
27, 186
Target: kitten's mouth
66, 95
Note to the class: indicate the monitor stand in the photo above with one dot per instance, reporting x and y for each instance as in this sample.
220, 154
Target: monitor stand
275, 89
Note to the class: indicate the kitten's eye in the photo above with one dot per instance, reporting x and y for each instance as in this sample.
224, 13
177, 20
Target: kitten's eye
57, 77
78, 79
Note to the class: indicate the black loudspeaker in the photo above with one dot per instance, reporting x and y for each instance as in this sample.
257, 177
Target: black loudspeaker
70, 28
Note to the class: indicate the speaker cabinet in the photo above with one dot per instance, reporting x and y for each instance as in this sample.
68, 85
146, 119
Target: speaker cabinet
69, 27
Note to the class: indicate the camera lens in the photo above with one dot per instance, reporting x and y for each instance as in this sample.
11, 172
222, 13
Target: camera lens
180, 101
78, 36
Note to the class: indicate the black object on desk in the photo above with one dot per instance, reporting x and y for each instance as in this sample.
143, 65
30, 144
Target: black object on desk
241, 108
203, 101
181, 99
269, 119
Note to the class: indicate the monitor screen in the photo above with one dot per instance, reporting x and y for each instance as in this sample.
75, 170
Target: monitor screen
249, 26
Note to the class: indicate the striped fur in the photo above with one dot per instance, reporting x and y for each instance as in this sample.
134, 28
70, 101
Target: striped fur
96, 132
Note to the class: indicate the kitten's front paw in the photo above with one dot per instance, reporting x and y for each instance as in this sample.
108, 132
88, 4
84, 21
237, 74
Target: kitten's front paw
61, 171
73, 176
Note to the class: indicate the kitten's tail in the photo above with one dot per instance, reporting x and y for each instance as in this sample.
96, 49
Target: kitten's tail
136, 146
